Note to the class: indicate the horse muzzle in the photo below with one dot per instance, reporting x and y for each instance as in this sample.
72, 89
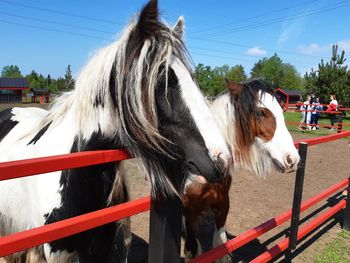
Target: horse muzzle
291, 162
220, 168
288, 165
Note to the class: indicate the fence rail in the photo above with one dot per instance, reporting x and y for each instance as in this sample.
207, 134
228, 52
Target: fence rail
28, 167
263, 228
36, 236
283, 245
33, 237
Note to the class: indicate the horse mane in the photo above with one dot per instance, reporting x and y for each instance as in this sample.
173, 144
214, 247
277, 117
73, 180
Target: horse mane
115, 92
121, 78
234, 114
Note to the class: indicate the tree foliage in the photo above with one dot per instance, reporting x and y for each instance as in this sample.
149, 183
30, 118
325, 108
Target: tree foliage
332, 77
11, 71
68, 79
37, 80
212, 81
278, 73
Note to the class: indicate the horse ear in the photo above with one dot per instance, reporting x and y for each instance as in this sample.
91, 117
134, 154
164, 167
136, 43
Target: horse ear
180, 26
148, 24
234, 87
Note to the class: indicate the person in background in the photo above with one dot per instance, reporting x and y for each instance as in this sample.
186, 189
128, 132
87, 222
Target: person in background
332, 108
305, 115
315, 114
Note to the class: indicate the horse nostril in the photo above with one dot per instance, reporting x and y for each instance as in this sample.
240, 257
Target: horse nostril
289, 160
222, 163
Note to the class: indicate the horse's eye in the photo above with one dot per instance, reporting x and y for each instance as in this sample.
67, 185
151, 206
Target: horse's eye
260, 113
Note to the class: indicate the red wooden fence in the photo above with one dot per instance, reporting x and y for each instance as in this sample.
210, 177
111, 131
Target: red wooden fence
30, 238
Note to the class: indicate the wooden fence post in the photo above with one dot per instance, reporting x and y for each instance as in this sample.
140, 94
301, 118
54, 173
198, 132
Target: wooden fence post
340, 123
346, 221
165, 231
298, 193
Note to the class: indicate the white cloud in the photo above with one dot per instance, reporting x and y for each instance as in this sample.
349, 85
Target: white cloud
325, 49
255, 51
344, 45
291, 30
312, 49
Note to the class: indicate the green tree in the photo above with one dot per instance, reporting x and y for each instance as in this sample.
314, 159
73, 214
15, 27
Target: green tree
236, 73
278, 73
68, 79
332, 77
291, 78
33, 79
11, 71
42, 81
212, 81
49, 80
204, 77
270, 69
61, 84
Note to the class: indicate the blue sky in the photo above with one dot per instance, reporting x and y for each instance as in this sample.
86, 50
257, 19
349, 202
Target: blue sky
47, 35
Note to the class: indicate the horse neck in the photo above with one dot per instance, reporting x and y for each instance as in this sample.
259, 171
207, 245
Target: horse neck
80, 118
89, 106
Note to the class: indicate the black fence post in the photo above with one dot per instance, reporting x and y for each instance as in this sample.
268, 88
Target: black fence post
165, 231
340, 123
298, 193
346, 220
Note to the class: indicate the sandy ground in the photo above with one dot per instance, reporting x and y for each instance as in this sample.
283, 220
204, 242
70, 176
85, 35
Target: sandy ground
255, 200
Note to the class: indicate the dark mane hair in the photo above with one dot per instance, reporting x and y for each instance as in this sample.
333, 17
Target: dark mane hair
121, 81
246, 107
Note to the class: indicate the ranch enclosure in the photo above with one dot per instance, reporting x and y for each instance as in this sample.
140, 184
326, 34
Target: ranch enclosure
255, 200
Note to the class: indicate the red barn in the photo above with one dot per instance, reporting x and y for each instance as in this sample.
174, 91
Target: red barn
288, 96
11, 89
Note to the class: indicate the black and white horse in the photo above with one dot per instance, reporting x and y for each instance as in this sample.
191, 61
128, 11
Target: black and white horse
136, 93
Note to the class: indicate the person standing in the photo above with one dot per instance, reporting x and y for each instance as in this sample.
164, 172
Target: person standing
315, 114
331, 110
305, 115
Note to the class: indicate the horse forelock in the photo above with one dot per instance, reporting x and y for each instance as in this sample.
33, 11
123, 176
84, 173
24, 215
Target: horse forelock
119, 83
115, 94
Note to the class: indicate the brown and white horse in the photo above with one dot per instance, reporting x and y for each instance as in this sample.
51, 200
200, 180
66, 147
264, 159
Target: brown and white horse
252, 121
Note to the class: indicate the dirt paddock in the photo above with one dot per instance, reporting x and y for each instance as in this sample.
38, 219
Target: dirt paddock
255, 200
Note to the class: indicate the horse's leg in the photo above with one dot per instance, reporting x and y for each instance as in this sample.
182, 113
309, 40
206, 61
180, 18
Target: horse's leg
220, 236
191, 244
119, 195
35, 255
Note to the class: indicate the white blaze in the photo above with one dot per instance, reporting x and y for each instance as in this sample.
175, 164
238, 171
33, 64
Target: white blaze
200, 112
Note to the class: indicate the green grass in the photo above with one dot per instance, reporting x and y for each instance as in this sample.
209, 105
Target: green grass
337, 251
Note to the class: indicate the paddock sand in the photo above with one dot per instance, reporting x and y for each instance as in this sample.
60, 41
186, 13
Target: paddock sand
255, 200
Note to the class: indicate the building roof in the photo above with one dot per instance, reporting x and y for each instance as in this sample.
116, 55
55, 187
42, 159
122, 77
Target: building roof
293, 92
40, 90
14, 83
290, 92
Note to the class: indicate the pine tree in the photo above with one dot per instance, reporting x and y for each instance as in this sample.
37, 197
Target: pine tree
68, 79
332, 77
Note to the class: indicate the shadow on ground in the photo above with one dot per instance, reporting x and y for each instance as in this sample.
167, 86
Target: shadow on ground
139, 247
